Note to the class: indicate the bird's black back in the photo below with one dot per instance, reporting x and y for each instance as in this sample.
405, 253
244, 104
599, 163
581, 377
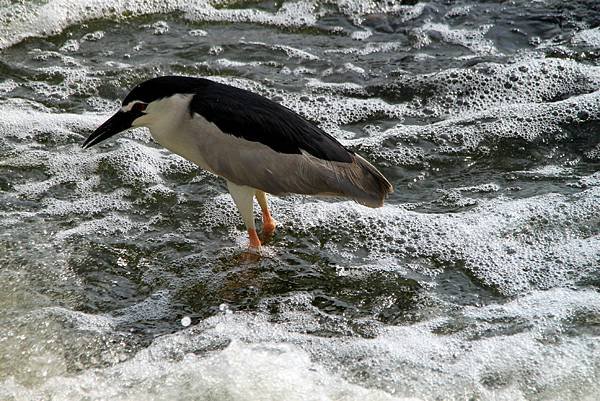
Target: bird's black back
247, 115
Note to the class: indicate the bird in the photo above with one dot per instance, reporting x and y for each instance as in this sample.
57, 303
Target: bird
257, 145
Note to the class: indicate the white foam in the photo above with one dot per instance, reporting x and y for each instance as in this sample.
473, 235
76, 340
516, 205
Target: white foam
501, 352
482, 188
546, 172
587, 37
361, 35
588, 181
475, 131
240, 371
504, 243
198, 33
8, 86
104, 226
20, 21
293, 52
472, 39
92, 36
359, 10
369, 48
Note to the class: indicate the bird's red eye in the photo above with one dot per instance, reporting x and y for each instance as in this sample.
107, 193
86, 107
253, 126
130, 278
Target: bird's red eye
139, 106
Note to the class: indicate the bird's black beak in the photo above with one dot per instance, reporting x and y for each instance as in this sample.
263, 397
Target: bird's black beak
117, 123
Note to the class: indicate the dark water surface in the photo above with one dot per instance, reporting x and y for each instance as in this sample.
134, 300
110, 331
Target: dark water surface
477, 281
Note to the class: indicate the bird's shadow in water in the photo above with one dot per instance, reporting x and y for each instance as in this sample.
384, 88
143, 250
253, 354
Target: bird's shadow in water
245, 276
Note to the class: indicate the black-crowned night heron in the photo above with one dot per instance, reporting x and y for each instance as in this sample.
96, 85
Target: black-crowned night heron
257, 145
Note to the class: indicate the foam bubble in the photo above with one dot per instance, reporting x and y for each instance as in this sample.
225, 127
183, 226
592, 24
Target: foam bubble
505, 244
362, 12
474, 40
587, 37
105, 226
198, 32
491, 130
240, 371
587, 181
361, 35
487, 85
504, 352
20, 21
369, 48
292, 52
92, 36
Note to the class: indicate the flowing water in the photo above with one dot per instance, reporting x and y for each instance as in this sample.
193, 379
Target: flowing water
478, 280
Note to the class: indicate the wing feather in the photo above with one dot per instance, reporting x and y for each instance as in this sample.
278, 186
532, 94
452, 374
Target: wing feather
255, 118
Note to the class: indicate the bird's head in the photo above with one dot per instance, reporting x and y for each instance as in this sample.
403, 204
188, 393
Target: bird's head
141, 106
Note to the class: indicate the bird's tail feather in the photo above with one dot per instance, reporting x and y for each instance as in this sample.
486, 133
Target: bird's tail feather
376, 186
362, 182
359, 180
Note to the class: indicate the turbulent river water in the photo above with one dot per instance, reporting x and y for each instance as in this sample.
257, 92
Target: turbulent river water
478, 280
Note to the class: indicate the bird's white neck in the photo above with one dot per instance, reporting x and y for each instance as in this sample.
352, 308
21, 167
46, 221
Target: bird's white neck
164, 117
170, 125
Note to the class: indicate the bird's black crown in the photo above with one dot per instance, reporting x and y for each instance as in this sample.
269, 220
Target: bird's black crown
161, 87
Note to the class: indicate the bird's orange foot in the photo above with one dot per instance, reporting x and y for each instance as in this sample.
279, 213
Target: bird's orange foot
269, 225
253, 252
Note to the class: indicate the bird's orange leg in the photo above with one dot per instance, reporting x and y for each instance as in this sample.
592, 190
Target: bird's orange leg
252, 255
254, 241
269, 222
